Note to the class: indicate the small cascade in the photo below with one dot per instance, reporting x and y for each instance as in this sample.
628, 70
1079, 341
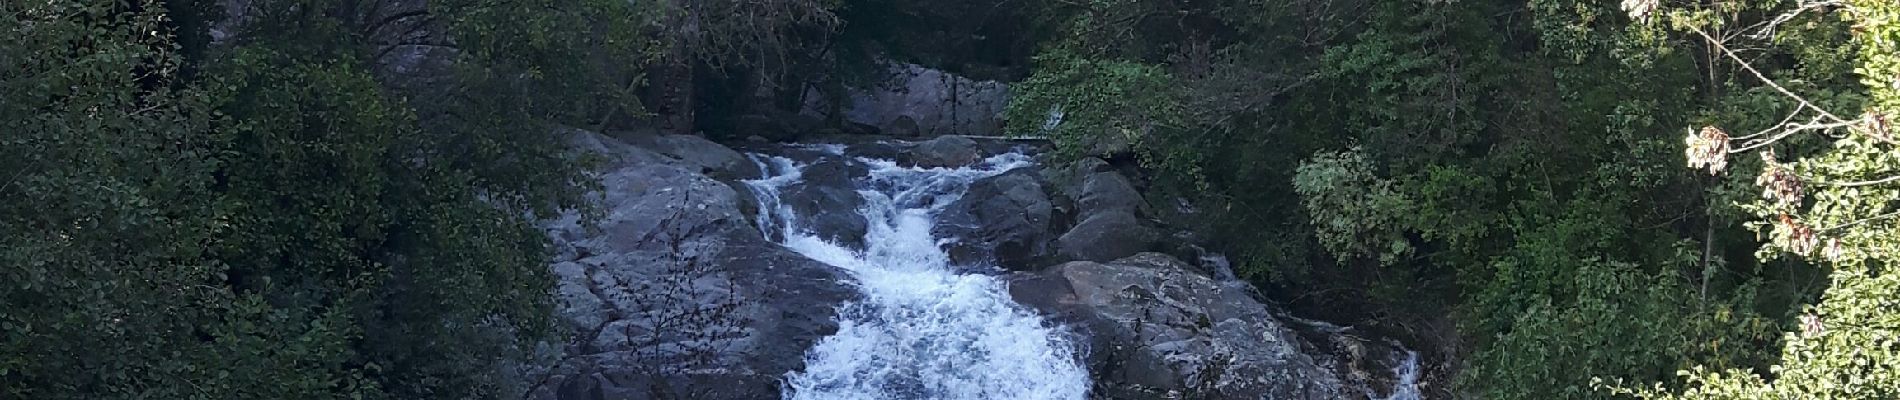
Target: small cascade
779, 171
922, 330
1406, 372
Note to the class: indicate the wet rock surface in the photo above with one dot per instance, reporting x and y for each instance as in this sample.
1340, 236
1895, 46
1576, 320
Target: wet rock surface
677, 295
1006, 220
713, 159
1106, 236
1108, 211
827, 196
944, 151
674, 295
1157, 329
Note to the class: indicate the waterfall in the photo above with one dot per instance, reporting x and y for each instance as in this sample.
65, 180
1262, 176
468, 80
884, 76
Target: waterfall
1407, 373
922, 330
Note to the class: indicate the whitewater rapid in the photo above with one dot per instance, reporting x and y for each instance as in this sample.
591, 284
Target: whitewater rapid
922, 330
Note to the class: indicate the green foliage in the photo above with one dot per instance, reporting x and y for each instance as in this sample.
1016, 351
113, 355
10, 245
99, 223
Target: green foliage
576, 62
1835, 205
283, 225
1355, 214
1516, 164
1074, 98
1623, 322
1408, 98
104, 279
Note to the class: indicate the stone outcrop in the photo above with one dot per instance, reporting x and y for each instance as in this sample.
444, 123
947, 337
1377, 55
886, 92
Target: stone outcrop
1106, 236
1107, 209
1157, 329
1004, 220
828, 198
674, 294
918, 101
945, 152
695, 152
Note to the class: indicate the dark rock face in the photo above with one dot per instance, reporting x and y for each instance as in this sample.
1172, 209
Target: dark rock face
1067, 179
904, 126
1107, 145
827, 197
1004, 219
1107, 192
778, 127
946, 151
1156, 329
800, 123
878, 150
921, 101
1106, 236
713, 159
675, 295
1107, 209
758, 125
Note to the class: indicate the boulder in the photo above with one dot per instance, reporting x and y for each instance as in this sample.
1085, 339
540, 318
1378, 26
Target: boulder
711, 158
1108, 191
800, 124
713, 324
1157, 328
878, 150
762, 126
1106, 236
1003, 220
946, 151
920, 101
777, 126
692, 152
854, 128
1107, 209
617, 154
828, 200
1066, 178
904, 127
675, 295
1111, 144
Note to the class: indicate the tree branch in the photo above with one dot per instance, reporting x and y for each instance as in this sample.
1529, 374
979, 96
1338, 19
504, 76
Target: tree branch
1765, 29
1860, 221
1882, 181
1777, 125
1788, 130
1764, 78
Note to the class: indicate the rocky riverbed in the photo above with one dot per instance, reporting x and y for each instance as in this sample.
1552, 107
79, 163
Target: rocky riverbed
718, 274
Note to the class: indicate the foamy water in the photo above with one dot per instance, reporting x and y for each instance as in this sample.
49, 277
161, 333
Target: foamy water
921, 330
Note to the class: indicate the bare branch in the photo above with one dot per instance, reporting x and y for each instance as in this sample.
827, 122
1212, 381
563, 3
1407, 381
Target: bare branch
1882, 181
1764, 78
1861, 221
1777, 125
1789, 130
1766, 29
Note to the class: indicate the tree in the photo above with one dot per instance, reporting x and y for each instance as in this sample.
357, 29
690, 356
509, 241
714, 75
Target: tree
277, 224
1835, 205
1355, 213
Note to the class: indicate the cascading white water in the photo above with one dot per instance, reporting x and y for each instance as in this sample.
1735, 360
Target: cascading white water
1407, 373
922, 330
